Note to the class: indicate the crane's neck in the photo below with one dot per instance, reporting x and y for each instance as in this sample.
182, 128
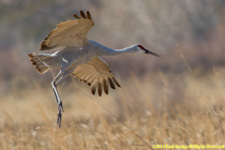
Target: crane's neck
103, 50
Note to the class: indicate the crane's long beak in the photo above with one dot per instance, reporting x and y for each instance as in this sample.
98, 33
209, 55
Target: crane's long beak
151, 53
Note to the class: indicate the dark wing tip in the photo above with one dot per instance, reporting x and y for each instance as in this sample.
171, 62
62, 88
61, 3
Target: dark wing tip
82, 14
43, 46
99, 89
89, 15
112, 85
30, 55
117, 83
105, 84
76, 16
93, 89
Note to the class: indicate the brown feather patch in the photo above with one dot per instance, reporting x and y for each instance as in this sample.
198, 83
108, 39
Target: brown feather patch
93, 89
99, 89
41, 68
43, 46
106, 86
97, 74
89, 15
117, 83
112, 85
82, 14
75, 16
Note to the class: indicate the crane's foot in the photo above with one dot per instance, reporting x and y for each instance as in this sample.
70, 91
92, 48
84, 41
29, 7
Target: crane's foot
60, 109
59, 119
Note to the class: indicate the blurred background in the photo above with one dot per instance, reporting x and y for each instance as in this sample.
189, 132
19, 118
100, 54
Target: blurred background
187, 78
197, 27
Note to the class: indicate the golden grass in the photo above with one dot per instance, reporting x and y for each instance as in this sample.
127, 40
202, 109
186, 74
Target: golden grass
181, 109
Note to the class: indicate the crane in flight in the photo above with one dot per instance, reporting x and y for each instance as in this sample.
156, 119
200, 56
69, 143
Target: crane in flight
79, 57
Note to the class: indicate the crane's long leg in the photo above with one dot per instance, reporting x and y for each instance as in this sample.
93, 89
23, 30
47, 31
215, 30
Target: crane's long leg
54, 84
60, 76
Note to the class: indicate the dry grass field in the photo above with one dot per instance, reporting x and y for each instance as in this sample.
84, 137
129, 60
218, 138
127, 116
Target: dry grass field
160, 108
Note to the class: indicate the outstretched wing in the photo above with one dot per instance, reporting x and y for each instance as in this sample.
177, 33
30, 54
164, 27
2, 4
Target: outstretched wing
96, 74
69, 33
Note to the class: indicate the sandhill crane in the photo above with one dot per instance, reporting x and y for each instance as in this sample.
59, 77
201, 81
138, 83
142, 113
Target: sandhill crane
77, 56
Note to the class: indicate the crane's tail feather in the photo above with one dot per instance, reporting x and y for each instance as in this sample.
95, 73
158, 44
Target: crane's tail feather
38, 62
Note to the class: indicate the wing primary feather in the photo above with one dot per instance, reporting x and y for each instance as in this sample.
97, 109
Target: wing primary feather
75, 15
99, 89
93, 89
83, 14
106, 86
112, 85
89, 15
117, 83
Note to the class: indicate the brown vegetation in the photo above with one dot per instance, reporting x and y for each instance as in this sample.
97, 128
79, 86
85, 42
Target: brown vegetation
162, 109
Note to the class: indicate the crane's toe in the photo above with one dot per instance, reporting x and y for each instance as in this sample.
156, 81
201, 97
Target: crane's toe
60, 110
59, 119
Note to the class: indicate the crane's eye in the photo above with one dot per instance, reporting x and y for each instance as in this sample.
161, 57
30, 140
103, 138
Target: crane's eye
141, 47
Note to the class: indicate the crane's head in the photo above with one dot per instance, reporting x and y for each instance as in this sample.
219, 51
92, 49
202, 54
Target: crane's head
145, 51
